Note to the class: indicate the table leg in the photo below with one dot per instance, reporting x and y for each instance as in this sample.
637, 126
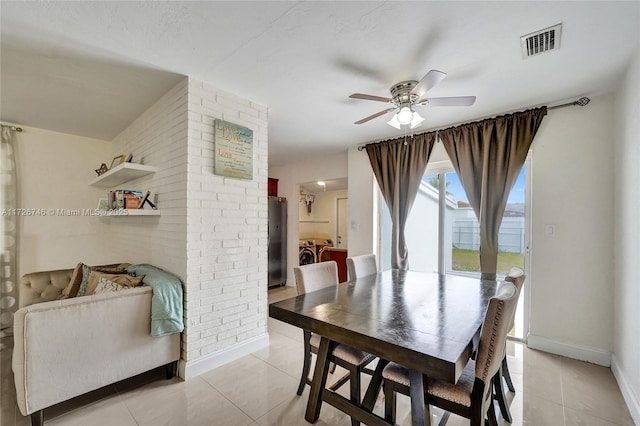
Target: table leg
319, 380
375, 385
416, 389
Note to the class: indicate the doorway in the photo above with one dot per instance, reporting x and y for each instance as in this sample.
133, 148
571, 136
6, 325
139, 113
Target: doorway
322, 216
342, 229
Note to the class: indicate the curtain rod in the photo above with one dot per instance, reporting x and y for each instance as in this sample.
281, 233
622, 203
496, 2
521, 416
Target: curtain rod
580, 102
14, 128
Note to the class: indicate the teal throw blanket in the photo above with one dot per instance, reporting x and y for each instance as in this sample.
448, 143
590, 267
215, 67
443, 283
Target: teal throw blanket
166, 303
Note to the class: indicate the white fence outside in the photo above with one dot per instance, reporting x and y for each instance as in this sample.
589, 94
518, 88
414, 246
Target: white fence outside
461, 231
466, 232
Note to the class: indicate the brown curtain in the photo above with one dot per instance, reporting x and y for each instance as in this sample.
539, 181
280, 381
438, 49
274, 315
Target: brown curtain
399, 165
488, 156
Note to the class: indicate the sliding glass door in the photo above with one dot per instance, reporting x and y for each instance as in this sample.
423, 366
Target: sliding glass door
443, 236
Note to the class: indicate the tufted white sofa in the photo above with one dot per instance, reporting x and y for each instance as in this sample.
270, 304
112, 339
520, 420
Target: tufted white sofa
64, 348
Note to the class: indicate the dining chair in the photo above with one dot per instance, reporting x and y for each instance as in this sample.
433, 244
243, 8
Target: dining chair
313, 277
360, 266
517, 277
471, 396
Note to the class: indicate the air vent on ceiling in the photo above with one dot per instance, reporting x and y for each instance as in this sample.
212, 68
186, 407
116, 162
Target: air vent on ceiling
541, 41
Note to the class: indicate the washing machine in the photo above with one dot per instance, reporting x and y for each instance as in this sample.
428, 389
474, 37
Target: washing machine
307, 253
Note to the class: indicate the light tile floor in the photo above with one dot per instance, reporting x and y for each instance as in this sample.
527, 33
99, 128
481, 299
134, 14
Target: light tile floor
259, 389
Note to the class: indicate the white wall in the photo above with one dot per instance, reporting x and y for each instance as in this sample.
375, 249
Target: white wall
157, 138
290, 177
626, 336
54, 171
571, 275
363, 205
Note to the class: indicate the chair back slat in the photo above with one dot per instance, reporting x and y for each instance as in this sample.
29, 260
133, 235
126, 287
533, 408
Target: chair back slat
496, 326
315, 276
360, 266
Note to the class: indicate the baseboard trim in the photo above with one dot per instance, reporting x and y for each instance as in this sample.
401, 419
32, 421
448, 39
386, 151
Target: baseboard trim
627, 393
199, 366
570, 350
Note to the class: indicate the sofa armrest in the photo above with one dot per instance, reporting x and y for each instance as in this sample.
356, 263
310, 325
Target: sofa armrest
45, 286
69, 347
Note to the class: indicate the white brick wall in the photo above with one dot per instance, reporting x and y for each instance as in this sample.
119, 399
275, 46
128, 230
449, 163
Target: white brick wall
212, 232
157, 138
227, 229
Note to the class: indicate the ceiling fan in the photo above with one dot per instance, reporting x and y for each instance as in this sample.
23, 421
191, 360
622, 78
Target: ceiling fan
408, 94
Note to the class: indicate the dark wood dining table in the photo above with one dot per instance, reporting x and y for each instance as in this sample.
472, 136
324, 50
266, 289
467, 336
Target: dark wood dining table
427, 322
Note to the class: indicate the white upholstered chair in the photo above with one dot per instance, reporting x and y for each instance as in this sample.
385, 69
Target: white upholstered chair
314, 277
471, 396
360, 266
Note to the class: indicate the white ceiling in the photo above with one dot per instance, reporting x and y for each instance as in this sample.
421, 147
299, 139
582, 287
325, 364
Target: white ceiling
329, 185
90, 68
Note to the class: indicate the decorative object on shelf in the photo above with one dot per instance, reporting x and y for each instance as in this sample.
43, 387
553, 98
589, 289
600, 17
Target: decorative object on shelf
132, 199
117, 161
233, 150
125, 199
147, 201
103, 204
129, 158
103, 169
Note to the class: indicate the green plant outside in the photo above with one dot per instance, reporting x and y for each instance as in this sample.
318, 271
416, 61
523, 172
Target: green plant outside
469, 261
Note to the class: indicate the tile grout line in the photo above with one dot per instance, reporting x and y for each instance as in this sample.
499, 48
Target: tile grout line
123, 400
564, 411
230, 401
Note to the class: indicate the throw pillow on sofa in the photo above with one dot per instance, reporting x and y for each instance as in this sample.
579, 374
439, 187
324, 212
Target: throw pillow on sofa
86, 272
71, 290
118, 279
80, 278
106, 286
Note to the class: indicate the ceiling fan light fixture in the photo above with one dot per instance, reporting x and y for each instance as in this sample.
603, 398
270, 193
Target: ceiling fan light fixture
394, 121
405, 115
416, 121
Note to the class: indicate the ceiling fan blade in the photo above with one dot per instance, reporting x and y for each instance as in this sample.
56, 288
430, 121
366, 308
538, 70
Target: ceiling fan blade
369, 97
376, 115
432, 78
449, 101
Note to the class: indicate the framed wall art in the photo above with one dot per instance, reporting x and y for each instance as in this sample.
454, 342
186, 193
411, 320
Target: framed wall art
117, 161
233, 150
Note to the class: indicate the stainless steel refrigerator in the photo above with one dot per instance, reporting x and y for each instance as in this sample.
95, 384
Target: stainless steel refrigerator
277, 241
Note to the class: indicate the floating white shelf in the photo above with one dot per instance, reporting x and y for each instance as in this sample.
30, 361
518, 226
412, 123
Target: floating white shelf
143, 212
121, 174
130, 212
